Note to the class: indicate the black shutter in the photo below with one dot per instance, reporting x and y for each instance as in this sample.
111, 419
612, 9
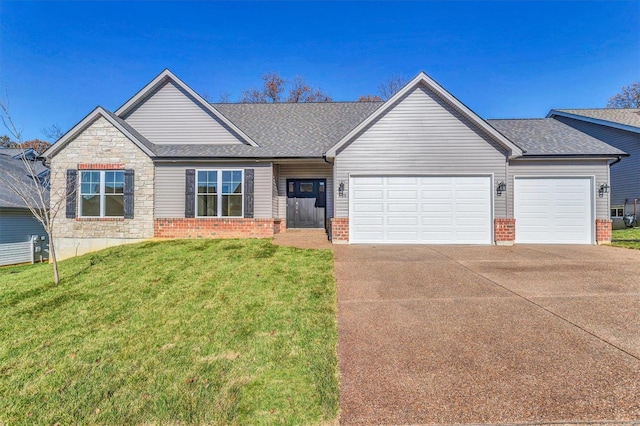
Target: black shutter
129, 184
72, 178
189, 194
248, 193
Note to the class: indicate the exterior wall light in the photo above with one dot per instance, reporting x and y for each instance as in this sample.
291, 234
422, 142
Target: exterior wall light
341, 189
604, 189
501, 188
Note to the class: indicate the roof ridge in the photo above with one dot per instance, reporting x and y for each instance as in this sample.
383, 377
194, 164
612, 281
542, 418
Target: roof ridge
296, 103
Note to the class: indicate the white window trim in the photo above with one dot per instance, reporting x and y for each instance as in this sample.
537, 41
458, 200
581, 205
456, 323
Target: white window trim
616, 208
219, 194
102, 194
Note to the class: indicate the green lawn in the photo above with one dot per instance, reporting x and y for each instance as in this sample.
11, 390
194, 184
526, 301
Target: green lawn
628, 238
172, 332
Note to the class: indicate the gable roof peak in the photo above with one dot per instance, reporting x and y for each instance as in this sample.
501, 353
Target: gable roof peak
442, 93
121, 125
165, 76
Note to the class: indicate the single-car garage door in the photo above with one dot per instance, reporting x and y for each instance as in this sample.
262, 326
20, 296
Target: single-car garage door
420, 209
553, 210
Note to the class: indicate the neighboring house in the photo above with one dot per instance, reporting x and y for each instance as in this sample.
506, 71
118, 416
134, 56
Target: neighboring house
418, 168
17, 224
619, 128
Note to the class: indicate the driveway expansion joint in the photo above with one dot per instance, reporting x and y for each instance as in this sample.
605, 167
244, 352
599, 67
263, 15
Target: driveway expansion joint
637, 358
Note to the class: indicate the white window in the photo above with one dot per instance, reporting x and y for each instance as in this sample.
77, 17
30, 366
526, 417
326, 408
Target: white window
219, 193
617, 211
101, 193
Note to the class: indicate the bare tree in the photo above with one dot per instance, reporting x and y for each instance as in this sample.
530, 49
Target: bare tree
369, 98
629, 97
30, 189
390, 87
53, 132
275, 86
7, 142
224, 98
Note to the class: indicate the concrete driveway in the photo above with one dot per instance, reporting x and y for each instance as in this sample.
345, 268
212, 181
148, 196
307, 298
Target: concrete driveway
523, 334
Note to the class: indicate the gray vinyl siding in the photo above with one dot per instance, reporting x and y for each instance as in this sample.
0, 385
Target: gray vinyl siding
16, 228
599, 169
421, 135
304, 171
170, 187
274, 192
171, 116
625, 178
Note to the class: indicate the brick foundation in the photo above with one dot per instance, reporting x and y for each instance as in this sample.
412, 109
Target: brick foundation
504, 231
603, 231
340, 230
216, 228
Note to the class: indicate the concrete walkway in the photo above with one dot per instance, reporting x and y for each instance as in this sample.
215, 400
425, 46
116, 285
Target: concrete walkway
488, 335
303, 238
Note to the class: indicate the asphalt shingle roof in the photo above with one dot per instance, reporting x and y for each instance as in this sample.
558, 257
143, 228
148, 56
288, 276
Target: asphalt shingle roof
546, 136
626, 116
15, 172
282, 130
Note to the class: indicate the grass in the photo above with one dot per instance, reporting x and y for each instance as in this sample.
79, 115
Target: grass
627, 238
172, 332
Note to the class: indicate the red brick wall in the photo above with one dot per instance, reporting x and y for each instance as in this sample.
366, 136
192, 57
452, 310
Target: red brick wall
215, 228
279, 225
504, 231
340, 229
603, 231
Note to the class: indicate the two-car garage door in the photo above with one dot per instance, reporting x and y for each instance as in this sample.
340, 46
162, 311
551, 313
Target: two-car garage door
420, 209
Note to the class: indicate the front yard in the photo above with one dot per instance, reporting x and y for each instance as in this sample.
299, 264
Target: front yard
197, 331
627, 238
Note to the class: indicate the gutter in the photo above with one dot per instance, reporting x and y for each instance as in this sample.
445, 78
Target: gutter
617, 161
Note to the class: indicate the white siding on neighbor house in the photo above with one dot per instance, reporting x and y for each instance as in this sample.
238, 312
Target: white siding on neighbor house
421, 135
170, 187
16, 229
304, 171
625, 178
171, 116
599, 169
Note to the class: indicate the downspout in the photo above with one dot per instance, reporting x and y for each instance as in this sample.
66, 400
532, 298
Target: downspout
329, 226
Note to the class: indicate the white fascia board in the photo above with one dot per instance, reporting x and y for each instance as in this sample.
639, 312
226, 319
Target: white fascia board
599, 121
167, 75
93, 115
423, 78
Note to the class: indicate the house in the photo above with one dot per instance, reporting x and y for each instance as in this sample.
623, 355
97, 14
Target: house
418, 168
619, 128
18, 226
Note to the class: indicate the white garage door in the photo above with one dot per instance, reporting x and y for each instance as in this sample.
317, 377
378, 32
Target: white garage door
553, 210
420, 209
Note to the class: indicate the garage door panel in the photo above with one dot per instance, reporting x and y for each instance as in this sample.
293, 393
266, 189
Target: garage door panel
370, 194
369, 220
553, 210
438, 210
368, 180
398, 194
402, 220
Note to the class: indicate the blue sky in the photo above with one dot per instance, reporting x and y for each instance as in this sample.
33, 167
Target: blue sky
502, 59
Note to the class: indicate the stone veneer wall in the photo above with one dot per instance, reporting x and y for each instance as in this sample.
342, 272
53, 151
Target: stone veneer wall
101, 144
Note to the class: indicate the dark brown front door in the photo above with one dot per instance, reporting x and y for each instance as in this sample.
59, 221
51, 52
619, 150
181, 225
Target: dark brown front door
306, 203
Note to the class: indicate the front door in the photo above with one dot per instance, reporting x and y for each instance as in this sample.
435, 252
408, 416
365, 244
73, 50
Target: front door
306, 203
